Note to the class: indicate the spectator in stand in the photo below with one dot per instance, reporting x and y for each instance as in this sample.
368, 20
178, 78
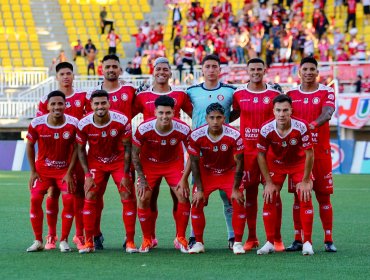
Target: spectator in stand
198, 11
358, 84
176, 17
78, 50
361, 49
113, 39
320, 23
324, 47
159, 32
340, 53
60, 58
160, 49
338, 6
140, 40
366, 5
366, 85
242, 41
90, 46
100, 69
91, 56
227, 10
216, 11
104, 21
352, 47
145, 28
178, 36
338, 37
351, 14
136, 64
309, 45
189, 52
128, 69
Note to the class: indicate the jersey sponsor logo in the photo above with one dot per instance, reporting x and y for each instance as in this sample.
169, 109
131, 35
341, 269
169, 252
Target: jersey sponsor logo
66, 134
305, 138
309, 211
266, 129
331, 96
45, 135
124, 96
77, 103
326, 207
315, 100
293, 141
220, 97
93, 134
337, 155
163, 142
56, 135
224, 147
251, 133
244, 100
181, 127
305, 101
113, 132
284, 144
304, 145
196, 134
255, 99
314, 136
173, 141
215, 148
299, 126
266, 100
114, 98
231, 132
103, 134
68, 104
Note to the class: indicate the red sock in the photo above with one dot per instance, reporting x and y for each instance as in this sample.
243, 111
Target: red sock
238, 220
145, 222
78, 208
251, 203
37, 215
326, 215
297, 219
67, 215
129, 217
99, 211
153, 219
269, 219
307, 220
278, 220
89, 216
198, 221
182, 218
52, 209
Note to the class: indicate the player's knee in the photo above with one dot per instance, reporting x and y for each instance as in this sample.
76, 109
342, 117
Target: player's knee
91, 195
323, 198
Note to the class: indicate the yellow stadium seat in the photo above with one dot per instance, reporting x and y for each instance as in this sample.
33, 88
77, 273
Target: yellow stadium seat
19, 22
6, 62
17, 62
90, 23
36, 54
31, 29
75, 9
132, 2
126, 38
65, 9
135, 8
77, 15
39, 62
28, 62
125, 8
35, 46
143, 2
24, 46
139, 16
13, 46
95, 8
17, 15
16, 8
26, 54
33, 37
29, 22
115, 9
24, 2
129, 16
5, 8
3, 45
145, 8
26, 9
85, 9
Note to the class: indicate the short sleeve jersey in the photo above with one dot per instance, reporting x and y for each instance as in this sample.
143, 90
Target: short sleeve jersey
255, 109
55, 143
105, 142
121, 100
144, 102
161, 148
75, 104
216, 156
308, 106
201, 97
287, 151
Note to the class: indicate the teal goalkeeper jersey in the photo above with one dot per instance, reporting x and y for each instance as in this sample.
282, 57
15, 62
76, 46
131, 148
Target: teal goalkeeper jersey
201, 97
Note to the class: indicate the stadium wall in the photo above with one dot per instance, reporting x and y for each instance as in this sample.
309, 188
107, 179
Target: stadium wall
348, 156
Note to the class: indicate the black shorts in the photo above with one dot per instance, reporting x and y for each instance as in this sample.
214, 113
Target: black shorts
366, 10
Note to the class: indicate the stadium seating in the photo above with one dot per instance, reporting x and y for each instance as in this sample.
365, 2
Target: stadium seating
82, 21
19, 44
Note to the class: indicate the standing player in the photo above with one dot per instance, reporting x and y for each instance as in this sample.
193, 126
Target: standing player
285, 149
315, 103
75, 107
157, 153
108, 134
201, 95
253, 103
121, 99
55, 136
216, 153
144, 103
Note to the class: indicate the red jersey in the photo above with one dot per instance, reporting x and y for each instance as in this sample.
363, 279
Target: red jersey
288, 151
75, 104
308, 106
216, 156
255, 109
144, 102
121, 100
161, 148
105, 142
55, 143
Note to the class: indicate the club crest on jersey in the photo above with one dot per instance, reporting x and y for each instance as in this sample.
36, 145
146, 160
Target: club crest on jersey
77, 103
56, 135
305, 101
104, 134
220, 97
215, 148
316, 100
293, 141
283, 144
255, 99
66, 134
114, 98
266, 100
331, 96
68, 104
173, 141
305, 138
113, 132
224, 147
163, 142
124, 96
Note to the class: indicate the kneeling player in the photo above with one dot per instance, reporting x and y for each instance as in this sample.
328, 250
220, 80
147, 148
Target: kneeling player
157, 153
285, 148
216, 153
55, 135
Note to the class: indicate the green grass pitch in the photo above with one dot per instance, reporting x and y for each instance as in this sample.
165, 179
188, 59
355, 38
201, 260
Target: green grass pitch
351, 235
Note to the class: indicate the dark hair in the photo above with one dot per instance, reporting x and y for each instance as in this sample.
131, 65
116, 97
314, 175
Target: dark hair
255, 60
211, 57
110, 56
56, 93
308, 59
282, 98
99, 93
164, 100
63, 65
215, 107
